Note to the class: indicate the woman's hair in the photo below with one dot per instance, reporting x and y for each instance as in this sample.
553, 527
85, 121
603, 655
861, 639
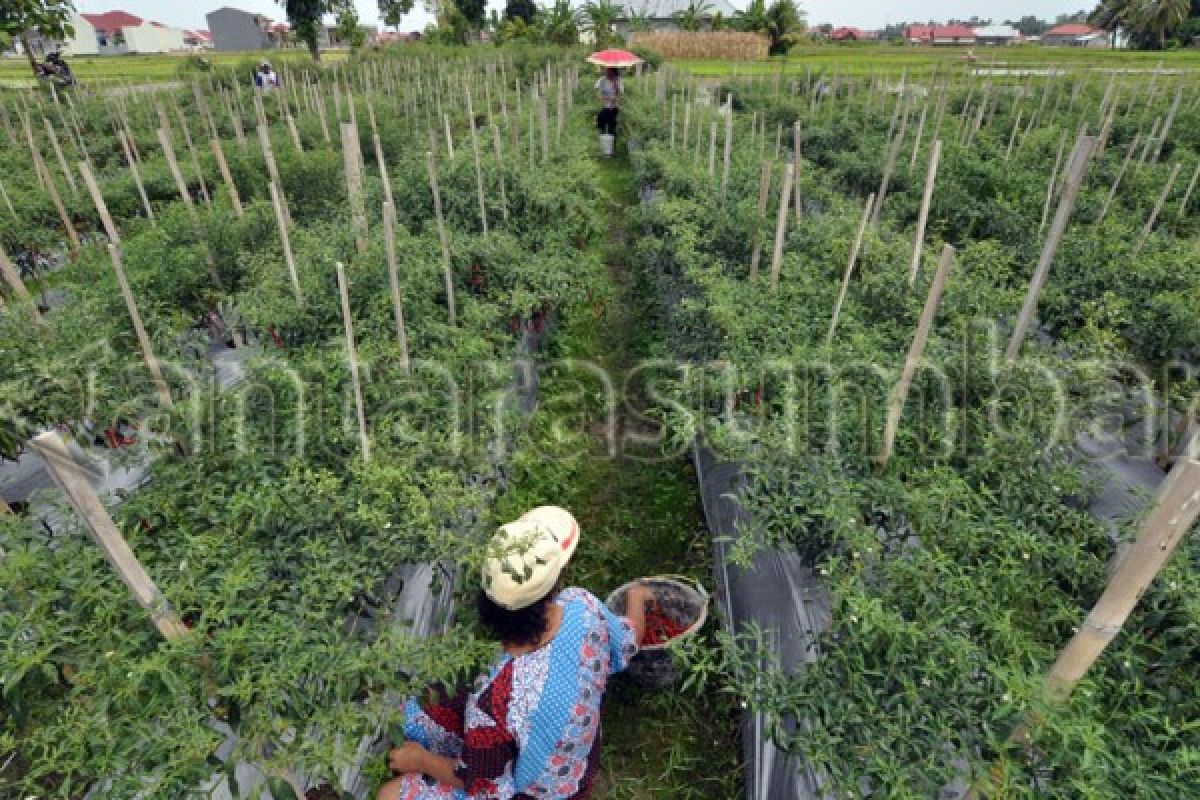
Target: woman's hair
524, 627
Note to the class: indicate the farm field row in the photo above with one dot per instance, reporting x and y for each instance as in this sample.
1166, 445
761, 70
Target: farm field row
944, 461
867, 59
309, 527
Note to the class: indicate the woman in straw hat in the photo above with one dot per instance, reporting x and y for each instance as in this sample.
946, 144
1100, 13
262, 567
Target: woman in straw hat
531, 726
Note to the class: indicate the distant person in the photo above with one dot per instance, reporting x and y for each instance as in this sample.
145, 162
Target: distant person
609, 90
265, 77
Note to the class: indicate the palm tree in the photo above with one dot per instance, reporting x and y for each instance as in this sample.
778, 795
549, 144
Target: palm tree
692, 17
784, 19
1156, 19
601, 16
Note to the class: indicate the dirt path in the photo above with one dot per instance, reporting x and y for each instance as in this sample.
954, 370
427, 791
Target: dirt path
639, 517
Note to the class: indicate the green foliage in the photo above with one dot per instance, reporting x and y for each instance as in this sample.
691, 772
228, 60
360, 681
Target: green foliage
524, 10
393, 11
692, 18
601, 16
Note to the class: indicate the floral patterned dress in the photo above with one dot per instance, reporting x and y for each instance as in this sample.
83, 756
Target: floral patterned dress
530, 729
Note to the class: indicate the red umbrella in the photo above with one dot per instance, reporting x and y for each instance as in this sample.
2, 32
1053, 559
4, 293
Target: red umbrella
614, 58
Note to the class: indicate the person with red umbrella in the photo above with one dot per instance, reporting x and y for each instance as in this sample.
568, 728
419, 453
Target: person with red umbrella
608, 90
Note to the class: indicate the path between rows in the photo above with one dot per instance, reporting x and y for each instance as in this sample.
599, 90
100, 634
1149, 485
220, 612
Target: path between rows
638, 517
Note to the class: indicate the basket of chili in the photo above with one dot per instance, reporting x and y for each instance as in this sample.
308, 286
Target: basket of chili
680, 609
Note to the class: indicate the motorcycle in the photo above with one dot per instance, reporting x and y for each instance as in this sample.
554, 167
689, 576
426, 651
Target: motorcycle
54, 70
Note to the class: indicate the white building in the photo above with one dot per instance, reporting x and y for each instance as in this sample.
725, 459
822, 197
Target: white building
998, 34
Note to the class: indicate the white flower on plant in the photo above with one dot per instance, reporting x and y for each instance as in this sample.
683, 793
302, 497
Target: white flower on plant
1025, 556
1007, 697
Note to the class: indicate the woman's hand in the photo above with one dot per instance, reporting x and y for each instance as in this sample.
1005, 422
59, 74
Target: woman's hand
637, 599
408, 757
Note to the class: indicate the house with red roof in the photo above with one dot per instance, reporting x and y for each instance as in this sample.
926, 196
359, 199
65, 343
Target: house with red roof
1076, 35
940, 35
851, 34
117, 32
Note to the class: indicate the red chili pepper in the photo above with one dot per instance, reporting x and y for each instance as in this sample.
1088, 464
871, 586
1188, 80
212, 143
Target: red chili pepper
660, 628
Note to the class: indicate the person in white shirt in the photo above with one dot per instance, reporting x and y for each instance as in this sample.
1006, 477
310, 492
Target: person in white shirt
608, 88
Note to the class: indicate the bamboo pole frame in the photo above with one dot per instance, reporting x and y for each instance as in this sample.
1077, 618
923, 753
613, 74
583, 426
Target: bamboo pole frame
69, 477
352, 355
915, 352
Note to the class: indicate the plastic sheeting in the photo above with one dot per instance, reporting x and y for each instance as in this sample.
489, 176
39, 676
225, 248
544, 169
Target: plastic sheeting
779, 595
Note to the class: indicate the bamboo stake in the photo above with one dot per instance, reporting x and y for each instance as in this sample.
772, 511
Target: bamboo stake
854, 251
8, 200
98, 202
69, 478
58, 153
935, 158
286, 240
1012, 138
764, 189
389, 237
1148, 144
160, 384
13, 278
447, 267
687, 122
1176, 507
1158, 207
227, 176
39, 165
449, 138
137, 174
352, 355
483, 223
352, 162
728, 154
915, 351
799, 207
1183, 204
500, 173
187, 138
1054, 176
1162, 139
781, 227
1077, 168
889, 169
712, 149
264, 143
1112, 194
164, 139
544, 122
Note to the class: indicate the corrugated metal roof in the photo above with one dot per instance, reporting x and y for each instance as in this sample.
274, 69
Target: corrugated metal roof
998, 32
113, 21
666, 9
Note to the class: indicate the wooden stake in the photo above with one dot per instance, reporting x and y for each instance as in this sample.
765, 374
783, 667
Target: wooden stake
164, 139
799, 207
781, 226
854, 251
1054, 178
58, 153
8, 200
227, 177
1112, 194
187, 138
914, 266
915, 351
383, 168
1176, 507
447, 267
764, 189
137, 174
13, 278
69, 477
483, 223
352, 355
889, 169
712, 150
1076, 170
352, 161
1162, 139
500, 172
98, 202
39, 165
1158, 207
389, 236
160, 384
286, 240
1183, 204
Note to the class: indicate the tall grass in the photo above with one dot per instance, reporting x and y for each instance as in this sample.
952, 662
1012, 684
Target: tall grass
727, 45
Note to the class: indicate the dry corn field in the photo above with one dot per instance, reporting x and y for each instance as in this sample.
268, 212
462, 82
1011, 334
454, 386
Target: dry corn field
717, 44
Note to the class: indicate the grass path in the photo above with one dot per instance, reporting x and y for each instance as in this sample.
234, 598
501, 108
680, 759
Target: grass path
638, 517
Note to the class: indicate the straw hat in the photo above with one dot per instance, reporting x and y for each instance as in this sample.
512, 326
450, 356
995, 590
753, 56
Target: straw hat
528, 556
